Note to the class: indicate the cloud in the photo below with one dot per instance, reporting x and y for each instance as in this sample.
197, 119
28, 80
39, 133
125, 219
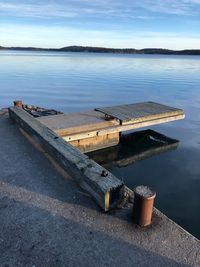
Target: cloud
34, 10
171, 7
111, 23
143, 9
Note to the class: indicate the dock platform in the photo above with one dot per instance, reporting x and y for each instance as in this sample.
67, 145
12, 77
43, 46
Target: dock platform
83, 133
101, 128
140, 112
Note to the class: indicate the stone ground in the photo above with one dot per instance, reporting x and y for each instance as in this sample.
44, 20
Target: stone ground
47, 220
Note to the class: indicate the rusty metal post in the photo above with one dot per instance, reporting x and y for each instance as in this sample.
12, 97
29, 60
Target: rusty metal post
143, 205
18, 103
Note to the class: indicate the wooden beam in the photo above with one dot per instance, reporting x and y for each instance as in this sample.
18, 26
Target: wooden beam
96, 142
79, 136
107, 191
121, 128
128, 127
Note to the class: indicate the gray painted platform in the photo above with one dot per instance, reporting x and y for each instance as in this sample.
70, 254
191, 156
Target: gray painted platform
140, 112
46, 220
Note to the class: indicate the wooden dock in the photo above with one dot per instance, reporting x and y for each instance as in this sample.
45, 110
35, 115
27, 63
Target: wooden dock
101, 128
89, 131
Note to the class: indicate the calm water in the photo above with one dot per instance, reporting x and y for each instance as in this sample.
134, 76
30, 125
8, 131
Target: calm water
73, 81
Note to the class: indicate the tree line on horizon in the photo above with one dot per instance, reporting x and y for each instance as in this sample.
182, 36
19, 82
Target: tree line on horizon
109, 50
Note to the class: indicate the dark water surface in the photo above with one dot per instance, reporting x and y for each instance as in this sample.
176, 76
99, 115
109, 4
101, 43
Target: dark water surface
78, 81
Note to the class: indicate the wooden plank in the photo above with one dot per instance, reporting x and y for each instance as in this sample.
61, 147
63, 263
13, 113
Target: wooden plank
83, 125
139, 112
120, 128
107, 191
96, 142
128, 127
80, 136
76, 123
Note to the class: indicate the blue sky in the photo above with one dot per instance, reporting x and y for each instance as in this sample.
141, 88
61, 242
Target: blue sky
173, 24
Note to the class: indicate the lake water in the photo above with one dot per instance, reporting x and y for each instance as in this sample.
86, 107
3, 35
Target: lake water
79, 81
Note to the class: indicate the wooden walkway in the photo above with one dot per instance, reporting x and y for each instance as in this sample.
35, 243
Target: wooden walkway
101, 127
87, 131
139, 112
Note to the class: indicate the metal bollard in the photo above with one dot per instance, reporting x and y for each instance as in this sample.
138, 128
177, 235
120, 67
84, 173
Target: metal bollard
18, 103
143, 205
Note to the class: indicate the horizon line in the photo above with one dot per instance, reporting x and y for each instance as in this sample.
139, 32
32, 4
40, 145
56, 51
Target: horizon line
103, 47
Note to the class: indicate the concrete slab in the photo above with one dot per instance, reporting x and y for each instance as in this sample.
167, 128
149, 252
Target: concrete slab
46, 220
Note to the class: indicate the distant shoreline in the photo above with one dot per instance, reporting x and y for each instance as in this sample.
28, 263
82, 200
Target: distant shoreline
149, 51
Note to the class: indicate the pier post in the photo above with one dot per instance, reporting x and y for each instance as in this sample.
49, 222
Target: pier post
18, 103
143, 205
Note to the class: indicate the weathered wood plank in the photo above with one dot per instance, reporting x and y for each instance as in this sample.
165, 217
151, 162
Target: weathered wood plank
76, 123
121, 128
139, 112
89, 124
79, 136
96, 142
107, 191
138, 125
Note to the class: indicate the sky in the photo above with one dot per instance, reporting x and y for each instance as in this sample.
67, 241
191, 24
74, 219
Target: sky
171, 24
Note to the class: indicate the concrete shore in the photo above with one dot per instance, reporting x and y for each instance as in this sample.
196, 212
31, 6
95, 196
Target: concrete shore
47, 220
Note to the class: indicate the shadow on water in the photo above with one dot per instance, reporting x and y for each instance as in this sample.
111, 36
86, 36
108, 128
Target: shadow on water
134, 147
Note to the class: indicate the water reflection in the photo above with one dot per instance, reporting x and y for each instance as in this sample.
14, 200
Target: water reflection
134, 147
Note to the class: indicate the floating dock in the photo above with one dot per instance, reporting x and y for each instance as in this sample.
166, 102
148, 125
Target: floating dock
102, 127
89, 131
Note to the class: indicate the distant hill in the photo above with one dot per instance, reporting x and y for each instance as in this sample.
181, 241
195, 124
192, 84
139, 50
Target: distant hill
150, 51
